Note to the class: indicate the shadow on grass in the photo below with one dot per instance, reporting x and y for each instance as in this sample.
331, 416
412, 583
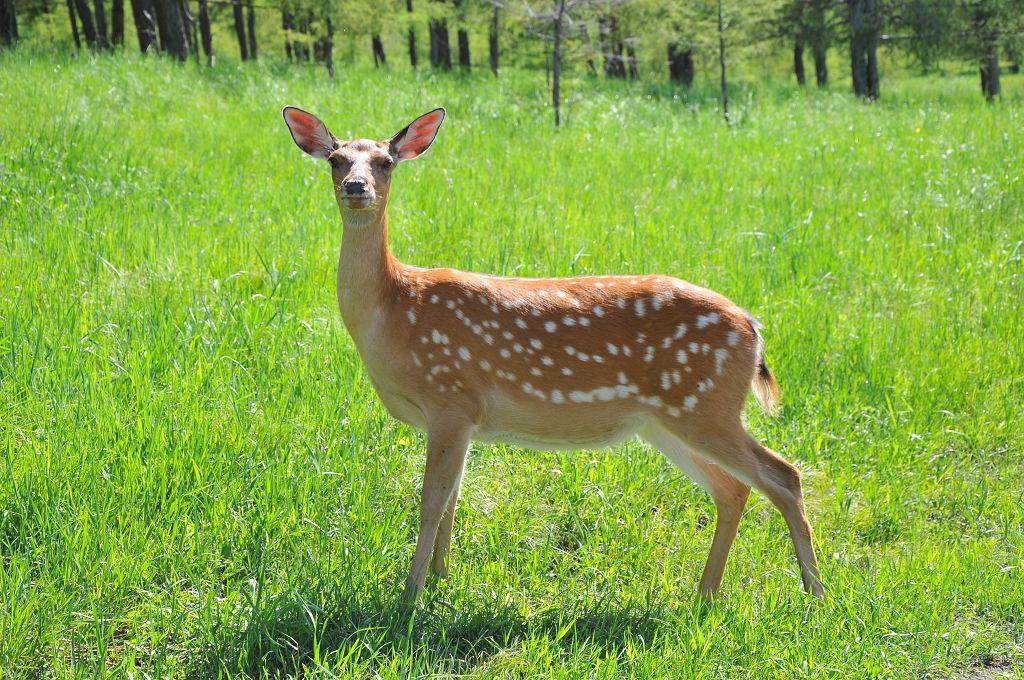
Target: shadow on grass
292, 632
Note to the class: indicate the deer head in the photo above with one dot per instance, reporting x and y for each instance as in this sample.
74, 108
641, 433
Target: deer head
362, 168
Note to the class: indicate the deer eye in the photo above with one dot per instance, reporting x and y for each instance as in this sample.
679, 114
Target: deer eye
386, 163
333, 160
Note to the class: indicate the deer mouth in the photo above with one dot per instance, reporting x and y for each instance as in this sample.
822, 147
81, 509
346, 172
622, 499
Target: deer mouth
359, 202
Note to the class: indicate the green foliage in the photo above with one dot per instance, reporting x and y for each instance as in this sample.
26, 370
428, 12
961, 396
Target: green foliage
197, 480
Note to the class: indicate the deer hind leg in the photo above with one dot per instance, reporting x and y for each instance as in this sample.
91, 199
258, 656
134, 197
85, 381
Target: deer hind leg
730, 496
758, 466
446, 457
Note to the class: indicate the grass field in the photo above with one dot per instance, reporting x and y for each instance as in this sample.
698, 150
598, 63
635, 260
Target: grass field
196, 478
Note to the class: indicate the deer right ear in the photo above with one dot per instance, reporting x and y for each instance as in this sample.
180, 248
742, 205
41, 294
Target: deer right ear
417, 136
309, 132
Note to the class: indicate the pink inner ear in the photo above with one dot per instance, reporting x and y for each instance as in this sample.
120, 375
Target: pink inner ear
421, 133
306, 129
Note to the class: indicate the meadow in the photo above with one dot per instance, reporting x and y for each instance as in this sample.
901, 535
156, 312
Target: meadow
197, 480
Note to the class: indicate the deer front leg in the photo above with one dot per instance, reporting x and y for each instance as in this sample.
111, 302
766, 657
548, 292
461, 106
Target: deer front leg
443, 542
446, 456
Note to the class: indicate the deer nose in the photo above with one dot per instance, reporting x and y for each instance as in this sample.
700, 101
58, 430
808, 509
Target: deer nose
354, 187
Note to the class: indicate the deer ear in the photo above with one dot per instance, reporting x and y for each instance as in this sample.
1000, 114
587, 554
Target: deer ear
309, 132
417, 136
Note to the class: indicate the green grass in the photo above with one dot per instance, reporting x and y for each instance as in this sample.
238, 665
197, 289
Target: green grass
196, 478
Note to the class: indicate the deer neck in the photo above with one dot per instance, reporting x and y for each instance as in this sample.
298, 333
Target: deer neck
368, 274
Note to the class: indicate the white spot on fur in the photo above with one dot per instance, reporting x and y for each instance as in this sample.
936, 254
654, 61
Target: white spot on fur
690, 402
550, 326
416, 360
570, 350
612, 349
720, 356
705, 320
681, 357
621, 302
649, 354
705, 385
638, 307
547, 361
569, 321
556, 397
485, 364
584, 321
520, 323
733, 338
411, 314
536, 371
598, 312
536, 344
566, 370
680, 331
673, 411
464, 353
505, 354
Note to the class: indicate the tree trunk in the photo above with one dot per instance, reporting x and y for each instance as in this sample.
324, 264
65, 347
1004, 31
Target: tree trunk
492, 41
820, 65
871, 45
464, 60
611, 47
379, 58
631, 59
798, 62
251, 21
721, 63
865, 24
145, 29
74, 25
413, 57
8, 23
556, 59
680, 65
171, 26
440, 48
101, 25
117, 22
88, 27
206, 32
243, 48
329, 49
858, 65
286, 27
990, 85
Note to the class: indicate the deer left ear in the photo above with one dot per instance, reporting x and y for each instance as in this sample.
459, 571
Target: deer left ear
416, 137
309, 132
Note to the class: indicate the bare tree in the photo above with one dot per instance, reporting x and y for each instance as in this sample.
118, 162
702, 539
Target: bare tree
549, 21
239, 17
8, 23
145, 27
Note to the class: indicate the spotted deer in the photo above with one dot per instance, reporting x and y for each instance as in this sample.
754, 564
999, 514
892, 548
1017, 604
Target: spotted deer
568, 363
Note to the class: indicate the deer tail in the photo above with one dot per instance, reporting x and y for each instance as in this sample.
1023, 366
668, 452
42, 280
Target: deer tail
764, 385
